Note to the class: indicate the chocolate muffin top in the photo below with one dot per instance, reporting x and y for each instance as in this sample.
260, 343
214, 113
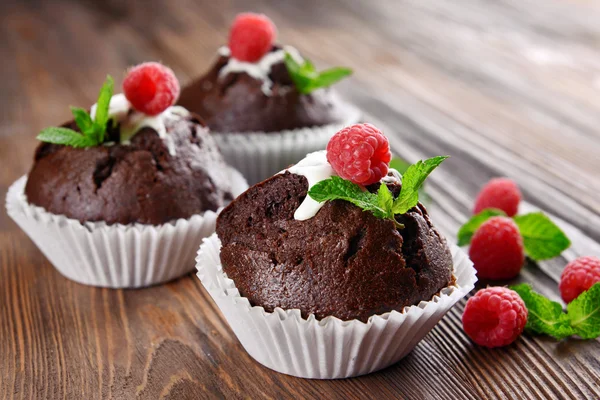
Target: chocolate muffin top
235, 101
343, 262
151, 180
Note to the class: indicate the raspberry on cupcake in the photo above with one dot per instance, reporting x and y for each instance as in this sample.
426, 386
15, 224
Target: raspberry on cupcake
267, 105
118, 193
333, 247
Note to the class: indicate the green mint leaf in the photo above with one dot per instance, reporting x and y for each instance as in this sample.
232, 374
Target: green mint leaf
466, 232
401, 166
584, 313
308, 69
83, 120
385, 200
102, 106
412, 180
307, 79
542, 239
544, 316
328, 78
65, 136
336, 188
298, 73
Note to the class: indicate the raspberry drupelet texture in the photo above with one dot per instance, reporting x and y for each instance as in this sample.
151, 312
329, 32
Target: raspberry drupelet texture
251, 37
578, 276
494, 317
497, 249
359, 153
501, 193
151, 87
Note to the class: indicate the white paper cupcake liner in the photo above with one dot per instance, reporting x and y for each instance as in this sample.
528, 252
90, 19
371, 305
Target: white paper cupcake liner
330, 348
260, 155
116, 256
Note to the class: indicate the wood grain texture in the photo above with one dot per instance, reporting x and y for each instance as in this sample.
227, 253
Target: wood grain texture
509, 87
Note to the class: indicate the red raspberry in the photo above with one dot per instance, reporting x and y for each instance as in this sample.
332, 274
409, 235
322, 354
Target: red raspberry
151, 87
578, 276
494, 317
251, 36
497, 249
359, 153
502, 193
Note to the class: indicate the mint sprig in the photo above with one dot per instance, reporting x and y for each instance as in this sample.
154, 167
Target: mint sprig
92, 131
401, 166
412, 180
336, 188
546, 317
584, 313
382, 205
542, 238
306, 78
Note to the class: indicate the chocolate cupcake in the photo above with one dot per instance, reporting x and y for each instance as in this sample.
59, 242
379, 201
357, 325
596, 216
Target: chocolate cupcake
267, 105
334, 250
121, 196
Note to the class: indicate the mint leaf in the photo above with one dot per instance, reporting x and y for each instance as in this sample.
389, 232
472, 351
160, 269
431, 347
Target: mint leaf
328, 78
65, 136
336, 188
412, 180
385, 200
102, 107
466, 232
584, 313
92, 132
401, 166
544, 316
542, 239
382, 204
83, 120
307, 79
299, 73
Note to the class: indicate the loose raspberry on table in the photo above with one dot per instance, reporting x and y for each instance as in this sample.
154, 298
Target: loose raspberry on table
497, 249
494, 317
251, 36
501, 193
578, 276
359, 153
151, 87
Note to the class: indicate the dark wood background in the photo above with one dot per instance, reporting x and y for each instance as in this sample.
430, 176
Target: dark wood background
507, 87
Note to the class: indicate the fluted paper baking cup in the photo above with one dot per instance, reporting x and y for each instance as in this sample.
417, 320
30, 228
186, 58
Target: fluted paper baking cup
260, 155
116, 256
330, 348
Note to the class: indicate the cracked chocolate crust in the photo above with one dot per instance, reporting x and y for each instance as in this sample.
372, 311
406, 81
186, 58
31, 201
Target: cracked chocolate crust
140, 182
236, 103
342, 262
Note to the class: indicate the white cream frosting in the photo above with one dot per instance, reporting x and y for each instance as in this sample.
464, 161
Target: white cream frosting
315, 168
121, 110
258, 70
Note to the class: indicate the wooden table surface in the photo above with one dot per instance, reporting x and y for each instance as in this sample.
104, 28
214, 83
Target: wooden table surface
506, 87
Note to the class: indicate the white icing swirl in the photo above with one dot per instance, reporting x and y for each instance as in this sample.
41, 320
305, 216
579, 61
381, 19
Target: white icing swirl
258, 70
315, 168
132, 121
